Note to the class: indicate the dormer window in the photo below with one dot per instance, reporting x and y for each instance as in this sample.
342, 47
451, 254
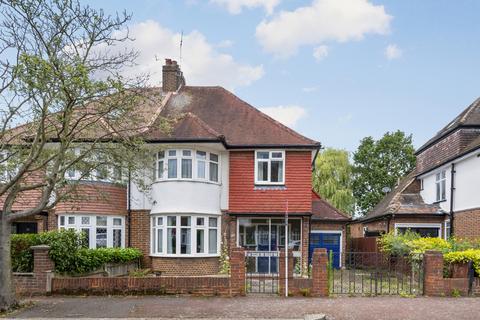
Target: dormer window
440, 184
270, 167
186, 164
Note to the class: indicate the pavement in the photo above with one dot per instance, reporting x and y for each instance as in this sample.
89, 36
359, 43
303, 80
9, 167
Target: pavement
251, 307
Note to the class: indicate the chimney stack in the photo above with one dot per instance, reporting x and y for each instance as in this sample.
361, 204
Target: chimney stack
172, 76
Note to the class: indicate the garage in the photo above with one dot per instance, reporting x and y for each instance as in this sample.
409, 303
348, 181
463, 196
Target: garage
330, 240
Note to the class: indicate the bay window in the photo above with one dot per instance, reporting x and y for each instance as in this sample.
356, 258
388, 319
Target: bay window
270, 167
99, 231
440, 184
187, 164
185, 235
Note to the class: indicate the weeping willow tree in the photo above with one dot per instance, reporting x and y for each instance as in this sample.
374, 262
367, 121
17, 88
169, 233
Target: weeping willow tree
332, 179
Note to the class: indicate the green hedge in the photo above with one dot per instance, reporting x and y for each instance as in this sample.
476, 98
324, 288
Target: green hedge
67, 251
464, 257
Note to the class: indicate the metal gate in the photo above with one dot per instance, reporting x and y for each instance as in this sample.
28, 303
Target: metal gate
261, 268
372, 273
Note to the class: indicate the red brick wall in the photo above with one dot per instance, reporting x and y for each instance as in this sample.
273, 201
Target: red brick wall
185, 266
445, 149
466, 224
36, 281
245, 197
96, 197
140, 238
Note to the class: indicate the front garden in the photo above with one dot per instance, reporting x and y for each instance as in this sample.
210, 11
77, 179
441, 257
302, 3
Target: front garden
68, 251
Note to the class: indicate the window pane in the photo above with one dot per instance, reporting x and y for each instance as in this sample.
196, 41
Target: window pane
117, 238
213, 157
443, 187
159, 240
62, 220
187, 168
101, 239
185, 221
160, 169
159, 221
200, 221
71, 220
187, 153
172, 168
213, 172
202, 155
171, 240
277, 155
262, 155
277, 171
438, 190
117, 221
86, 237
85, 220
172, 153
443, 174
201, 169
212, 241
262, 168
161, 154
185, 244
212, 222
101, 221
172, 221
71, 173
200, 241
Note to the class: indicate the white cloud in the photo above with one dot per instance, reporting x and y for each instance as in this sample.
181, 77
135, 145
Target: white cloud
225, 44
236, 6
392, 51
201, 63
320, 52
288, 115
322, 21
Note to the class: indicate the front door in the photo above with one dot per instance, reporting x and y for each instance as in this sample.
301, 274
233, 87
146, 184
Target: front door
329, 241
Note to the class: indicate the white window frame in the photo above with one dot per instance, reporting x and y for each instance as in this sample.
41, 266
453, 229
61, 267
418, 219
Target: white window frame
445, 233
341, 240
442, 183
420, 225
179, 156
193, 235
269, 161
92, 226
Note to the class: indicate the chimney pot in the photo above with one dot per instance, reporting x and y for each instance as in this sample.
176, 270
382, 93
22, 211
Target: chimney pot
168, 61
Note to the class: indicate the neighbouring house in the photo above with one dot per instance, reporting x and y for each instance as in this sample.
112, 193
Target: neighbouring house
225, 175
442, 196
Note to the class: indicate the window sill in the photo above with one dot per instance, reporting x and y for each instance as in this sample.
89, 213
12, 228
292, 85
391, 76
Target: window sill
188, 180
269, 187
185, 256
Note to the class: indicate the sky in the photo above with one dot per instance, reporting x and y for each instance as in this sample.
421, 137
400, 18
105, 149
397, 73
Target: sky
333, 70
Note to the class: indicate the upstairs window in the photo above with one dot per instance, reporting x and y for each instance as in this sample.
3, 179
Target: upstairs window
187, 165
440, 184
270, 167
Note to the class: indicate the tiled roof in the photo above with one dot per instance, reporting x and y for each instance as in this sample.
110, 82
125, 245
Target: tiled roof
404, 199
215, 113
322, 210
470, 117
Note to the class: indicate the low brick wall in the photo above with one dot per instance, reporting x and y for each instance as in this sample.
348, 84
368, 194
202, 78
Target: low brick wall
202, 286
436, 285
38, 281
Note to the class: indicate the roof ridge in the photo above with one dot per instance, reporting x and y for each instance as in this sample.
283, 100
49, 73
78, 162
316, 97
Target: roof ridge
470, 108
267, 117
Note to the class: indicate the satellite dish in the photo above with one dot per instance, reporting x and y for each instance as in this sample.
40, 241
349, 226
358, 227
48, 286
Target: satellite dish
386, 189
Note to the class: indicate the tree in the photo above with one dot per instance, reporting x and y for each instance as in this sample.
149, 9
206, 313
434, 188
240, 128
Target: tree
332, 179
63, 106
380, 164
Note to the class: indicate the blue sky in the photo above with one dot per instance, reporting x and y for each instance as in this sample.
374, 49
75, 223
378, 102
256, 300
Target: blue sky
334, 70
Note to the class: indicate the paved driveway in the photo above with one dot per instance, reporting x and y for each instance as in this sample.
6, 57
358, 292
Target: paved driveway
388, 308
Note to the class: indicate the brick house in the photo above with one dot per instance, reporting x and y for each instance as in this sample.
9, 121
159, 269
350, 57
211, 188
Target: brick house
442, 196
225, 174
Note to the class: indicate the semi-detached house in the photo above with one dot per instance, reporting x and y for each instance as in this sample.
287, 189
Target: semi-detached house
225, 175
441, 197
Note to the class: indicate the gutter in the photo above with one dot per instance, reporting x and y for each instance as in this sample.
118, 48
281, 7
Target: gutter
452, 192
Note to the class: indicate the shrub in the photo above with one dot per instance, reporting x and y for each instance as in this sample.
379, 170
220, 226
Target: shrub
397, 245
67, 252
464, 257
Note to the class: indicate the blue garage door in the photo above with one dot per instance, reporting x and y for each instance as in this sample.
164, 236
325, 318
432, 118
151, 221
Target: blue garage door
329, 241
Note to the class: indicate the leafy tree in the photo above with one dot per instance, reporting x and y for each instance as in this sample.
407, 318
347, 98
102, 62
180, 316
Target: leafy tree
332, 179
380, 164
62, 85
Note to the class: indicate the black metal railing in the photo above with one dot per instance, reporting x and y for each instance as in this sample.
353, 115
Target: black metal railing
372, 273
